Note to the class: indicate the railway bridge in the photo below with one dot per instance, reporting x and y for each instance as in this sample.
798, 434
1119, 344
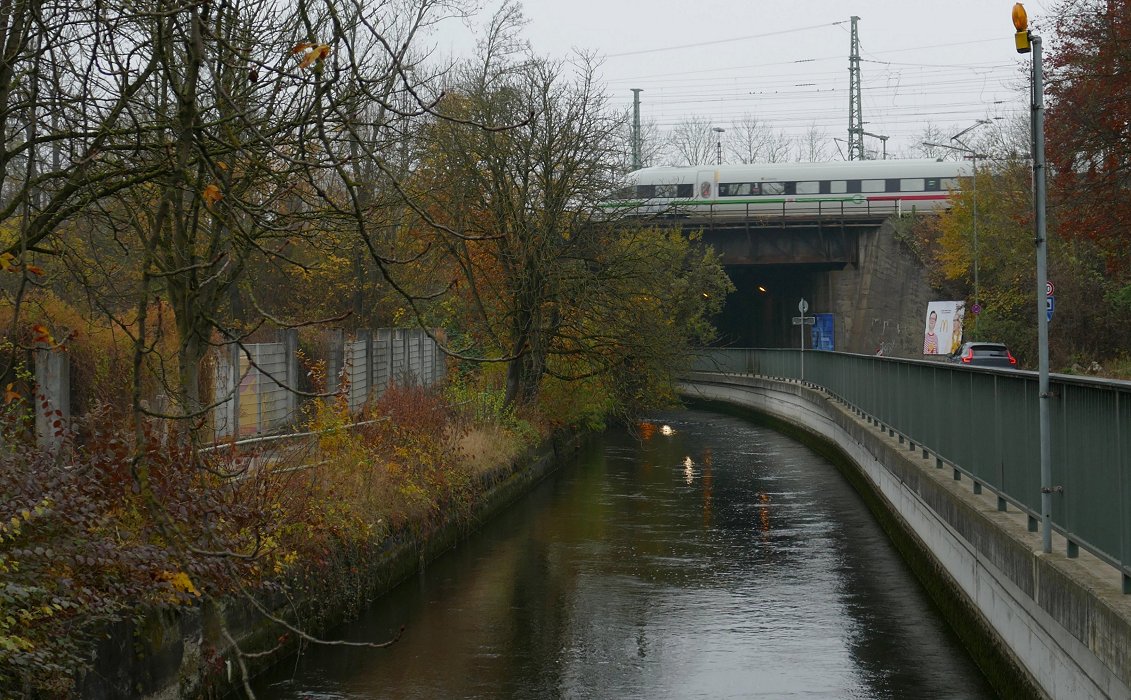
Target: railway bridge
855, 265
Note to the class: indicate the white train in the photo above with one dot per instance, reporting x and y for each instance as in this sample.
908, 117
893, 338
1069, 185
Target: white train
845, 188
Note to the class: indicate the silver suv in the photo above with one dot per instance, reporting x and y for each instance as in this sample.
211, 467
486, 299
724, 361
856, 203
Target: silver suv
984, 355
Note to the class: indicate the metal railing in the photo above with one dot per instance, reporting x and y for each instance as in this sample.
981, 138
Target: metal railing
985, 424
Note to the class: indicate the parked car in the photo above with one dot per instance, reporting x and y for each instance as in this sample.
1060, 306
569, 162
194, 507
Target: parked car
984, 355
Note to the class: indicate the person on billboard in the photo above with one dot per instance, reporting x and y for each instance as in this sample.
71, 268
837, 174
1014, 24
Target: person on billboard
930, 340
956, 336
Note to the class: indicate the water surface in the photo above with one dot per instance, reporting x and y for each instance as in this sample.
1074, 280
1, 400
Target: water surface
721, 561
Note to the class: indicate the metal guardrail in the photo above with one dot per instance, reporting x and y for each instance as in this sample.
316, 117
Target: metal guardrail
985, 424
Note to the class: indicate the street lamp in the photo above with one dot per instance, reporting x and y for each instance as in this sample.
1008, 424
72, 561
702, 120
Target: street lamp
1026, 41
974, 195
719, 141
973, 155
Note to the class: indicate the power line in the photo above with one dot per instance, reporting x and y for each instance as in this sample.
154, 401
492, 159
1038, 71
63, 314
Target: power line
800, 60
722, 41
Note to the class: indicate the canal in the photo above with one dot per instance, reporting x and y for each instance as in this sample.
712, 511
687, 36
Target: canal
720, 560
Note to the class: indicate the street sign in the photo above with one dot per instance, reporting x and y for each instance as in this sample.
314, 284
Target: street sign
807, 320
802, 306
1049, 288
1050, 305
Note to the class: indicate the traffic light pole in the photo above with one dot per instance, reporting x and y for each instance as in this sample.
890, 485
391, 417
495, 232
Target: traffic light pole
1027, 41
1038, 109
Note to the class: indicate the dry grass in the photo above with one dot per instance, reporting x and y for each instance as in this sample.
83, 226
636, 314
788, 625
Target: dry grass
486, 447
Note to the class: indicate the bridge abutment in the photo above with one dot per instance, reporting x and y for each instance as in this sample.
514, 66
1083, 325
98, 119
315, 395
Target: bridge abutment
864, 274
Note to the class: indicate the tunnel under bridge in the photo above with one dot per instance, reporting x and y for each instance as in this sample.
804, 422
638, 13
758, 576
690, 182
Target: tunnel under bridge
859, 269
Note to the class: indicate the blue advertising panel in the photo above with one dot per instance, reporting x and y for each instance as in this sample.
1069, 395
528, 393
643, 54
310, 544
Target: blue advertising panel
822, 332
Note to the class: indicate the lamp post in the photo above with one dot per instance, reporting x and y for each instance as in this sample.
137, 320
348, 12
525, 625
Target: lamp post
973, 155
1026, 41
719, 141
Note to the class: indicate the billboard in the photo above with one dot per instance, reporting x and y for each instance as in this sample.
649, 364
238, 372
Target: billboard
942, 328
822, 332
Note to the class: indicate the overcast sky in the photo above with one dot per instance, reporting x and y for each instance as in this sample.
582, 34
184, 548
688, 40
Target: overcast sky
944, 63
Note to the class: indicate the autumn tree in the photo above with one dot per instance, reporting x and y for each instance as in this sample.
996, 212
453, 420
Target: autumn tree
212, 150
1088, 126
162, 160
1090, 322
551, 284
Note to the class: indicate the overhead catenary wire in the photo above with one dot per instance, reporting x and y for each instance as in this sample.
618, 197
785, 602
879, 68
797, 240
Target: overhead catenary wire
715, 42
901, 98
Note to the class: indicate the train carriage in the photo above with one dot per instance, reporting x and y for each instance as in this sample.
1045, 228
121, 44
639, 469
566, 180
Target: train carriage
847, 188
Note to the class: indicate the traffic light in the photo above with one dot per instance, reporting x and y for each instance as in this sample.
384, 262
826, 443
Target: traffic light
1021, 22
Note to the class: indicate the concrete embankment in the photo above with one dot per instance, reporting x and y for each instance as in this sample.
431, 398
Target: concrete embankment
1040, 625
190, 652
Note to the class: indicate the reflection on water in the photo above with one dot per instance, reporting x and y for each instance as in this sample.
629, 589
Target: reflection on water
714, 559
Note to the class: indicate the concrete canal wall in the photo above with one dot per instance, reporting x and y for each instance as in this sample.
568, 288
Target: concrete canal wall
1040, 625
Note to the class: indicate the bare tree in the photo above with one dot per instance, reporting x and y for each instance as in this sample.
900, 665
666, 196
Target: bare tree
651, 143
923, 148
751, 140
692, 142
814, 145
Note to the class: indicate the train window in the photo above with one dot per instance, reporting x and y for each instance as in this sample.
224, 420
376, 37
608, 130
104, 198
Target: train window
826, 187
840, 187
950, 183
773, 188
808, 188
853, 186
891, 185
645, 191
932, 185
872, 185
666, 191
913, 184
625, 193
790, 187
685, 191
738, 189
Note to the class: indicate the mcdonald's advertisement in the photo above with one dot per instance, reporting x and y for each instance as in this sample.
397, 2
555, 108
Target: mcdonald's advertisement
942, 327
